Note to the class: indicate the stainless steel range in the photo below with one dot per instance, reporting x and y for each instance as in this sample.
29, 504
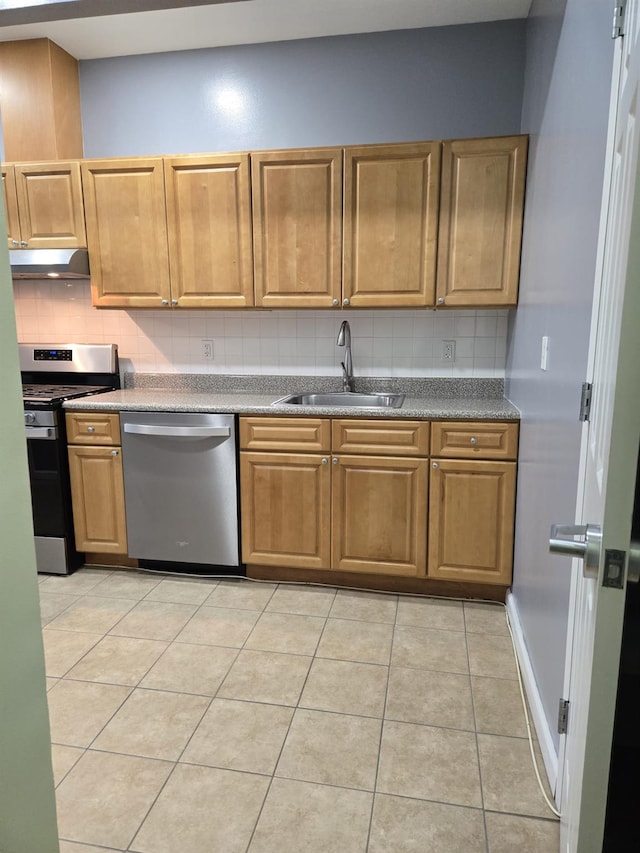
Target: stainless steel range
51, 374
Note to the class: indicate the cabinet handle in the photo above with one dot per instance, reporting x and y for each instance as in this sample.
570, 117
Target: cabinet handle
324, 460
335, 460
434, 465
24, 244
441, 300
335, 301
346, 302
91, 429
474, 440
17, 243
115, 452
165, 301
174, 301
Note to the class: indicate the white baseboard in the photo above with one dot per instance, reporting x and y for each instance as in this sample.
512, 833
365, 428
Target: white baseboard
539, 720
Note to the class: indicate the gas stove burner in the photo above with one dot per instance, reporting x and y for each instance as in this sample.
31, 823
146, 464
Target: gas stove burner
58, 393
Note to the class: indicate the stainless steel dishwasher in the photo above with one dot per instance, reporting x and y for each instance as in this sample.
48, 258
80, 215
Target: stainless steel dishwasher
181, 492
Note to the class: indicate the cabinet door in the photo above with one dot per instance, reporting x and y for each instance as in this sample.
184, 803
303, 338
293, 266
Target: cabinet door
297, 218
285, 500
11, 205
50, 205
391, 224
97, 495
209, 228
127, 232
481, 209
379, 515
471, 515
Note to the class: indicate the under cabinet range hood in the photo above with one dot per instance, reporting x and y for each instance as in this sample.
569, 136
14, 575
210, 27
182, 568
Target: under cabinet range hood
49, 263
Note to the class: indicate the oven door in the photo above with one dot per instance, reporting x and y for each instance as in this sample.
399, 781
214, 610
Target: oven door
50, 500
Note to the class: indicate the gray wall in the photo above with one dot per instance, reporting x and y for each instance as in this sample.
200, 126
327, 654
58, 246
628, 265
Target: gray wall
565, 109
380, 87
27, 805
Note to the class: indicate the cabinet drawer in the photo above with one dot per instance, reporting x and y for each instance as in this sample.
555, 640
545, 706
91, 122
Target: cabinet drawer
311, 434
93, 428
382, 438
474, 440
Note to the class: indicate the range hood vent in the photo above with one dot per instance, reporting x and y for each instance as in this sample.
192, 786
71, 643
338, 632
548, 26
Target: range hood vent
49, 263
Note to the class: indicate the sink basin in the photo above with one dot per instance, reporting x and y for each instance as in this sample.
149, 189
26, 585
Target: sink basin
343, 399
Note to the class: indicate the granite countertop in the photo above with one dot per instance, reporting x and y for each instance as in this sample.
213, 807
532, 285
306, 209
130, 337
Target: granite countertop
424, 398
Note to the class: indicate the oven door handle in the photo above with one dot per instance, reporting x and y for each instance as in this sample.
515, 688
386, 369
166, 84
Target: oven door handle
47, 433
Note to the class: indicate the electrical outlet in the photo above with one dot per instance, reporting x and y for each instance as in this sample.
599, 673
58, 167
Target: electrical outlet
207, 350
448, 351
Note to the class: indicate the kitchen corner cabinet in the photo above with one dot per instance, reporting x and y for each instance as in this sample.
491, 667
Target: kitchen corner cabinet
329, 509
209, 229
390, 224
481, 212
297, 226
97, 484
127, 232
44, 203
472, 501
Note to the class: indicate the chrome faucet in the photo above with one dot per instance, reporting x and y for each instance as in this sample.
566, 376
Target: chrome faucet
344, 340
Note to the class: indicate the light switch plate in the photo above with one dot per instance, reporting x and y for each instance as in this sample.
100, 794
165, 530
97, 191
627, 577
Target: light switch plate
544, 353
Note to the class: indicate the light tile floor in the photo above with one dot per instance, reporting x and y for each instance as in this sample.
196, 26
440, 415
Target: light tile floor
196, 716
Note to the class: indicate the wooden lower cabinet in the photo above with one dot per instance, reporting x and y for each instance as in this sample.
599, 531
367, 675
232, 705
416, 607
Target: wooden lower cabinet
391, 511
285, 509
379, 511
363, 514
471, 517
97, 494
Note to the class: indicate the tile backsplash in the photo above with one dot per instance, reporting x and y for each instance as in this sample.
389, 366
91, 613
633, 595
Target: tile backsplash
384, 342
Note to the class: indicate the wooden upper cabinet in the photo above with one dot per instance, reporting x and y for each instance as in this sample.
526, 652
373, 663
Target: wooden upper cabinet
11, 205
40, 101
209, 230
481, 210
297, 223
50, 205
391, 224
127, 232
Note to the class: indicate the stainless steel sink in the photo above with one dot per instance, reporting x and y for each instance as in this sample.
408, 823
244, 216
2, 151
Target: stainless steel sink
343, 399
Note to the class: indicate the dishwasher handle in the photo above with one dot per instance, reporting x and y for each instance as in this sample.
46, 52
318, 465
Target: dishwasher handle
178, 431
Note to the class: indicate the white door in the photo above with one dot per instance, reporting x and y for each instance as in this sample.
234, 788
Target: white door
608, 472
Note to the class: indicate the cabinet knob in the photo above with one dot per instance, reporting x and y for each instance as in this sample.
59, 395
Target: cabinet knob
24, 244
91, 429
324, 460
17, 243
441, 300
335, 301
174, 301
115, 452
335, 460
165, 301
434, 465
346, 302
474, 440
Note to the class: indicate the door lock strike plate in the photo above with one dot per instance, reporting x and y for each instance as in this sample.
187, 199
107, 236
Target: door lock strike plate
613, 575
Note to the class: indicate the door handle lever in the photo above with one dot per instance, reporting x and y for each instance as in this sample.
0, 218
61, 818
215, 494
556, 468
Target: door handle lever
562, 541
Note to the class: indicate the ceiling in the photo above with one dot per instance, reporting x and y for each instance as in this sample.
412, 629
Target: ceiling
91, 29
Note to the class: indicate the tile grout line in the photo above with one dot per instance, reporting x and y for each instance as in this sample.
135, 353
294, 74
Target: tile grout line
475, 727
382, 725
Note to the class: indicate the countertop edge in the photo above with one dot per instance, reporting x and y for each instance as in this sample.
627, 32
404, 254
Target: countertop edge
161, 400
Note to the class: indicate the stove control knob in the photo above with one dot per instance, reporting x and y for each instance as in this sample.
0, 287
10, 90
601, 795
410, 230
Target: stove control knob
29, 417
